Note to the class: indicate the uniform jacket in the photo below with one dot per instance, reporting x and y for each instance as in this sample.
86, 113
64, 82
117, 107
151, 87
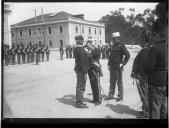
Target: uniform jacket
82, 59
157, 67
118, 54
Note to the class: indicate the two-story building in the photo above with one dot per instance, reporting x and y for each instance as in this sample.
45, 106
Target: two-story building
57, 29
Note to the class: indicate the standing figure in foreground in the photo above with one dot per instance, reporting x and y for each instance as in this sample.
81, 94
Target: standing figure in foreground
138, 73
82, 65
117, 59
157, 67
94, 75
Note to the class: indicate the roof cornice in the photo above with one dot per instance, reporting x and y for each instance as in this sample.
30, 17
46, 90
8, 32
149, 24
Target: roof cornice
70, 19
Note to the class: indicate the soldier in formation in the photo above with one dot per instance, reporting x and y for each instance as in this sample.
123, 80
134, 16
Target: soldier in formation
67, 51
47, 53
6, 54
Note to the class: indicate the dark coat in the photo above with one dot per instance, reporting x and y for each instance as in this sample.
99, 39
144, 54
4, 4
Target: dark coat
157, 67
140, 60
94, 61
82, 59
118, 54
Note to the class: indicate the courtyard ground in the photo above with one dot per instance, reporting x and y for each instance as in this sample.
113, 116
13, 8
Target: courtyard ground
48, 90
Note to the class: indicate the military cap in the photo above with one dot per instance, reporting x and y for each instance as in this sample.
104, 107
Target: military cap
80, 37
116, 34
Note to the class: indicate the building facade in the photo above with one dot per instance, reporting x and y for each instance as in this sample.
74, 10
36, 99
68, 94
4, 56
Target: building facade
57, 29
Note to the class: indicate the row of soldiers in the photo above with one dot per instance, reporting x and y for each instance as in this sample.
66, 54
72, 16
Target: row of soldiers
69, 51
27, 54
103, 49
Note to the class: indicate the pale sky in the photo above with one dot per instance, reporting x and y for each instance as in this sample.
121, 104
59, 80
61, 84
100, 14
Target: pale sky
92, 10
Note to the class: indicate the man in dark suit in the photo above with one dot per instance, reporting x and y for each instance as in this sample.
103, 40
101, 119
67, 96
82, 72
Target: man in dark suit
82, 65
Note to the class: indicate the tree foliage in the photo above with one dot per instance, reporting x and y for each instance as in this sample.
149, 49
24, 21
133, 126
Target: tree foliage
131, 27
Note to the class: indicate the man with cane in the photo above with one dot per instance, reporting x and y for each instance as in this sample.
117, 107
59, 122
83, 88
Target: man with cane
117, 59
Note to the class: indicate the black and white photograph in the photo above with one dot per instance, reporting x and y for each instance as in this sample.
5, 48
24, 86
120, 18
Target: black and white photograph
85, 60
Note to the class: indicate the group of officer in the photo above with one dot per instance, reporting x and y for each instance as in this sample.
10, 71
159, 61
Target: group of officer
28, 54
150, 71
87, 62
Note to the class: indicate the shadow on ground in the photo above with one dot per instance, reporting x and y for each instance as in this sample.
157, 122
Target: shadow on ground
123, 109
103, 96
70, 99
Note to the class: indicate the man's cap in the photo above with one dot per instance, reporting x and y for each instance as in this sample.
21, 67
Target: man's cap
80, 37
116, 34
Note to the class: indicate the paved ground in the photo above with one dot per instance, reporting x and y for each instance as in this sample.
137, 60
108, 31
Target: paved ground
48, 91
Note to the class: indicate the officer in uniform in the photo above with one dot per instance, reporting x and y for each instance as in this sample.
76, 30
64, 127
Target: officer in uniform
28, 53
94, 74
6, 54
12, 52
67, 49
32, 50
42, 52
115, 66
23, 53
138, 73
37, 52
82, 65
47, 53
18, 52
70, 51
61, 52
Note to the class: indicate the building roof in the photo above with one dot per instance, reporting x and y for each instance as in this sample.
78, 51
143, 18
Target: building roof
47, 18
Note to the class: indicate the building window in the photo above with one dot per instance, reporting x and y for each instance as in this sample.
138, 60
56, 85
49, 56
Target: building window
49, 30
100, 41
39, 31
95, 31
20, 33
12, 33
76, 29
29, 32
61, 42
50, 43
100, 32
89, 30
82, 29
60, 28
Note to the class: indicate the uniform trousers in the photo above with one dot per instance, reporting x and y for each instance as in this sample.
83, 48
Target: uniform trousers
116, 77
142, 87
94, 77
80, 86
13, 58
158, 103
19, 58
23, 57
37, 58
47, 56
